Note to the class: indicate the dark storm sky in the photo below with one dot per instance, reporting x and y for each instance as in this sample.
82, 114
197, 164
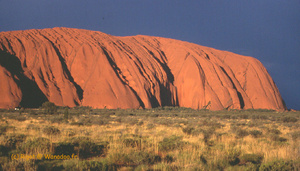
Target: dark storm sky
268, 30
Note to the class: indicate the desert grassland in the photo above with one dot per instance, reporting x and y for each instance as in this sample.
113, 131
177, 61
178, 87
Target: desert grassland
168, 138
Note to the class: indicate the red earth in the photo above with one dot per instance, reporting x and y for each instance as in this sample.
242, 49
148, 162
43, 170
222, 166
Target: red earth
74, 67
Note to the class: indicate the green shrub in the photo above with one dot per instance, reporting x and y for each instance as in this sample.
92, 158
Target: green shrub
51, 130
130, 120
3, 150
100, 121
169, 159
134, 158
90, 149
252, 158
57, 119
77, 140
3, 160
49, 108
188, 130
219, 164
32, 113
64, 148
289, 119
232, 156
171, 143
32, 127
280, 165
142, 157
130, 142
255, 133
140, 123
259, 117
51, 165
38, 144
277, 138
70, 132
142, 167
97, 166
18, 165
13, 140
85, 148
21, 118
207, 133
120, 159
274, 131
150, 126
243, 116
66, 113
76, 123
3, 129
17, 117
241, 133
211, 123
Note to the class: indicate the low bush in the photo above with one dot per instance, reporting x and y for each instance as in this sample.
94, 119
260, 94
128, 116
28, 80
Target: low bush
39, 144
142, 157
150, 126
274, 131
57, 119
3, 161
3, 150
232, 156
171, 143
97, 166
70, 132
85, 148
259, 117
203, 159
277, 138
289, 119
13, 140
140, 123
255, 133
51, 130
134, 158
219, 164
49, 165
91, 165
241, 133
17, 117
207, 133
49, 107
3, 129
65, 148
32, 127
211, 123
169, 159
188, 130
280, 165
100, 121
252, 158
130, 142
129, 120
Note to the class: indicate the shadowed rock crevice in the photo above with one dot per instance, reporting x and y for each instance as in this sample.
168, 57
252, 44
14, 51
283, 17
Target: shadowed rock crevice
241, 100
117, 71
79, 90
165, 92
32, 96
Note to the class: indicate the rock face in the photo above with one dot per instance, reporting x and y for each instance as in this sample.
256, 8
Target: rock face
72, 67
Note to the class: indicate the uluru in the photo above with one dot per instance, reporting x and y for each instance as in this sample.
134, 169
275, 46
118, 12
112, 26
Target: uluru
76, 67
